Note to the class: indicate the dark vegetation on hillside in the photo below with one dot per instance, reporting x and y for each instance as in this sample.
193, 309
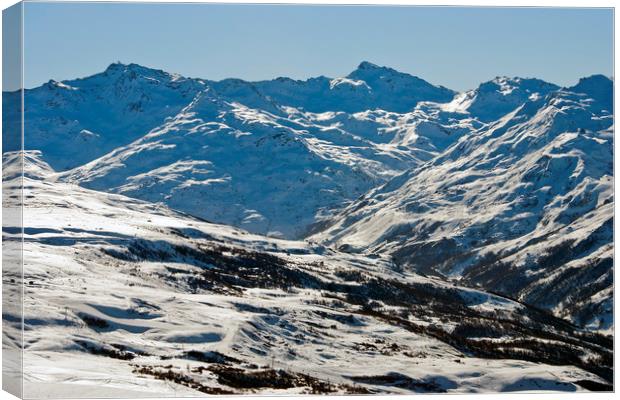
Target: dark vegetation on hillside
528, 334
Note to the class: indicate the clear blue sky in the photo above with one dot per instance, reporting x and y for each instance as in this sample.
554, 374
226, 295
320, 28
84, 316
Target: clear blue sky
455, 47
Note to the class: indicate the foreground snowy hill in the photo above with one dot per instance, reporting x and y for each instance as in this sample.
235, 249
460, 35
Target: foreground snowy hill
522, 206
132, 298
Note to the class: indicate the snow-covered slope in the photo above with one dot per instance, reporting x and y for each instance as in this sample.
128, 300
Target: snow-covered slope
245, 167
522, 206
132, 298
496, 98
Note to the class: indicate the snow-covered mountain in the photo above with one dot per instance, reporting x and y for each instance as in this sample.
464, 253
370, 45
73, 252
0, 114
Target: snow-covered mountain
252, 155
125, 297
521, 206
369, 87
76, 121
274, 157
496, 98
459, 184
246, 167
444, 238
267, 156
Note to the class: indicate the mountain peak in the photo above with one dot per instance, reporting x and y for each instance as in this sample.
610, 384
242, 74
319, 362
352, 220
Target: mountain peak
119, 67
368, 65
599, 87
368, 69
592, 81
397, 91
526, 84
116, 66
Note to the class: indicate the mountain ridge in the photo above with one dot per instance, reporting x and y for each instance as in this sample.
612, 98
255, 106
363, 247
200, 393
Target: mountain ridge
538, 170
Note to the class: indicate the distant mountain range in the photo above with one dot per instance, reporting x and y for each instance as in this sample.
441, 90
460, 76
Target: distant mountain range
508, 186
